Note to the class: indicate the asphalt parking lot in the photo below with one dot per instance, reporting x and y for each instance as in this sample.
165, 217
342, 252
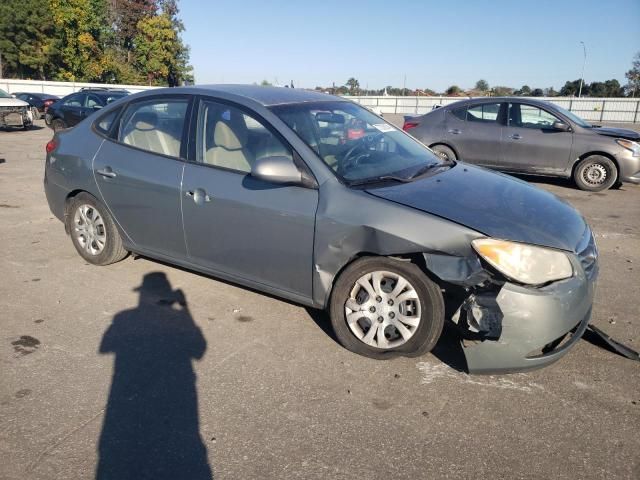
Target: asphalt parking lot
249, 386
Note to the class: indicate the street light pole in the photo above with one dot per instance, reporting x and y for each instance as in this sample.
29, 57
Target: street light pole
584, 48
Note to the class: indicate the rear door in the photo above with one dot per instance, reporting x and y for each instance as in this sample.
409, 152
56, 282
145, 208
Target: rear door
475, 132
235, 223
72, 109
530, 142
139, 173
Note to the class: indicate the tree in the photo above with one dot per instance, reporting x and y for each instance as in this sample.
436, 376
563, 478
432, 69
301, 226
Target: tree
537, 92
27, 40
633, 76
78, 24
500, 91
550, 92
482, 85
125, 15
266, 83
453, 91
353, 85
155, 48
524, 91
571, 88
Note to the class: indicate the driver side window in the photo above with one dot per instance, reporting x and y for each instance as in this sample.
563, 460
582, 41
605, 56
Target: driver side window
229, 138
528, 116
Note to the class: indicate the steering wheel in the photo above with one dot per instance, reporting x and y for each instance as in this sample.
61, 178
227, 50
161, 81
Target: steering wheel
350, 159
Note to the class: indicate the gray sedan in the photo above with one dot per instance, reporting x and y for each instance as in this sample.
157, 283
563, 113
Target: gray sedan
530, 136
317, 200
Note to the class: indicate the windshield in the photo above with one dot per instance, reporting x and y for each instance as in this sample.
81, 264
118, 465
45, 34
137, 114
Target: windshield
355, 143
4, 94
573, 117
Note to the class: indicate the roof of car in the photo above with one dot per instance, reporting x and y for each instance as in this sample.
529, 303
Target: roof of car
530, 100
268, 96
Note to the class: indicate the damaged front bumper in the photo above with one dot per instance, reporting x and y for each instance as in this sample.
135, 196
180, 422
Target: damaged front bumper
17, 116
509, 327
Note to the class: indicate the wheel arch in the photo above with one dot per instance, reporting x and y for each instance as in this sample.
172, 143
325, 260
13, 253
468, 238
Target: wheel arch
417, 258
591, 153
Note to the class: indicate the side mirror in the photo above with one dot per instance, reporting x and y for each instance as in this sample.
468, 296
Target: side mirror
561, 126
276, 169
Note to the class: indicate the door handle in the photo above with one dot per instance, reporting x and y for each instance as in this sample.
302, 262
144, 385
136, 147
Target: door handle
106, 172
199, 195
515, 136
455, 131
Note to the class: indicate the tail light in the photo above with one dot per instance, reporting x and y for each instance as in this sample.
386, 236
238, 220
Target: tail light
409, 125
51, 145
48, 102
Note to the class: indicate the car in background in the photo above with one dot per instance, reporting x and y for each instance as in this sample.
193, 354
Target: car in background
262, 186
74, 108
14, 112
523, 135
39, 102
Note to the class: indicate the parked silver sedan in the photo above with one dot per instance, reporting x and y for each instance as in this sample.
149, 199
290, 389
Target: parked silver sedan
530, 136
317, 200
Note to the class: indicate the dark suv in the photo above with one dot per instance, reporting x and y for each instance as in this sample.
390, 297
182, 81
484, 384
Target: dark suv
76, 107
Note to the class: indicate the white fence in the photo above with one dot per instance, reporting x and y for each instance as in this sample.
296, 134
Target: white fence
58, 88
591, 109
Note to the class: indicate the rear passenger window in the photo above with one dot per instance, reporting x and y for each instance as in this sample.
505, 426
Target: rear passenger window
229, 138
104, 123
75, 100
155, 125
485, 112
460, 113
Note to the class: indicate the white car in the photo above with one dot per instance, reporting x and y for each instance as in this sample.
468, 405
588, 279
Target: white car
14, 112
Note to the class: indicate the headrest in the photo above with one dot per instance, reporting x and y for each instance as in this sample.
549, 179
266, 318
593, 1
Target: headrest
145, 120
225, 137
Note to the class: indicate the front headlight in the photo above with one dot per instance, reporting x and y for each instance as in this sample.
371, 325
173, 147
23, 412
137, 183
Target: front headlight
633, 147
524, 263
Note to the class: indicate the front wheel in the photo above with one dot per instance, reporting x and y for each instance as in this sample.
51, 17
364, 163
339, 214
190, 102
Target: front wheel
381, 308
93, 231
595, 173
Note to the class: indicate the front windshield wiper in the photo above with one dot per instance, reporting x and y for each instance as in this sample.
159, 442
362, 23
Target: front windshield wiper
430, 166
380, 179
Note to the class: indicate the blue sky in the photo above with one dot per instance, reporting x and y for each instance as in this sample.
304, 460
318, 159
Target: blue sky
435, 44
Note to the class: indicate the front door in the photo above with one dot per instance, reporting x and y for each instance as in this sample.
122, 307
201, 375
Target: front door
235, 223
139, 174
531, 144
475, 132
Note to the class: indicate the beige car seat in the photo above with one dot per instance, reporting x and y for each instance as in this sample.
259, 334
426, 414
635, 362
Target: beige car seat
229, 148
142, 131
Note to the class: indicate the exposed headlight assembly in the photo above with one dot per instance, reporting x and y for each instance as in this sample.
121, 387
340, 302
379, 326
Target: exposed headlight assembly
524, 263
633, 147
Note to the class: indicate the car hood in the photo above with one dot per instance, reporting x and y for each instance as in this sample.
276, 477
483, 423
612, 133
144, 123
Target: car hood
617, 132
494, 204
12, 102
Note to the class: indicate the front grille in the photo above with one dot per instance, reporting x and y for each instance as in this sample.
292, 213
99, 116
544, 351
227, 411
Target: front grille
587, 252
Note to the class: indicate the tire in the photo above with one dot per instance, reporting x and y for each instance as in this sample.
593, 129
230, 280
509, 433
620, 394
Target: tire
93, 231
595, 173
350, 326
444, 152
58, 125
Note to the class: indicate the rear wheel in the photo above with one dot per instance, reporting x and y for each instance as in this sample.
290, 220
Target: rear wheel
444, 152
381, 308
93, 231
595, 173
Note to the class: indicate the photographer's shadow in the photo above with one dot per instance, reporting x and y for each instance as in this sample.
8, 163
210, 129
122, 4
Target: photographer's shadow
151, 427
